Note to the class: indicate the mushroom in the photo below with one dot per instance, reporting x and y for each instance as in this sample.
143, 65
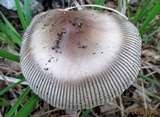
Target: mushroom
80, 59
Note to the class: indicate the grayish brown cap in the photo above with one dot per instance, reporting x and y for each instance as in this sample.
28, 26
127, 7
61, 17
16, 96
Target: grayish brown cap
80, 59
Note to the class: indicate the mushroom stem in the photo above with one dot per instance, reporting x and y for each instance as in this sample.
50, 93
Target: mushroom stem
99, 6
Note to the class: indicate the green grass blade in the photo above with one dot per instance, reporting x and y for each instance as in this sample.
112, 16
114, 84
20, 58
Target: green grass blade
143, 11
27, 11
149, 79
150, 28
85, 114
9, 25
137, 11
10, 87
9, 56
20, 14
119, 5
28, 107
18, 102
151, 16
128, 10
146, 39
99, 2
3, 102
9, 33
4, 38
152, 33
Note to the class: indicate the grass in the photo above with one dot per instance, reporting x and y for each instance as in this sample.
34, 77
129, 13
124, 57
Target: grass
9, 56
28, 107
143, 19
21, 15
14, 109
10, 36
11, 86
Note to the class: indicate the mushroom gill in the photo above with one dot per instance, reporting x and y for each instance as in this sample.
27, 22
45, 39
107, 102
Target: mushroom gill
80, 59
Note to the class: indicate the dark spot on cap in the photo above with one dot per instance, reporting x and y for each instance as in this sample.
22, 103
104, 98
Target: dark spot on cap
60, 37
94, 53
53, 48
56, 60
46, 69
84, 46
102, 52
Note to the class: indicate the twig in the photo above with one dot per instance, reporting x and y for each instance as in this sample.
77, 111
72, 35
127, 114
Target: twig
123, 10
38, 115
11, 79
77, 5
144, 97
82, 2
92, 5
145, 90
153, 67
12, 92
121, 105
151, 73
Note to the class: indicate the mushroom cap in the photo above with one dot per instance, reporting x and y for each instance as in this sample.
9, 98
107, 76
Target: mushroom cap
80, 59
